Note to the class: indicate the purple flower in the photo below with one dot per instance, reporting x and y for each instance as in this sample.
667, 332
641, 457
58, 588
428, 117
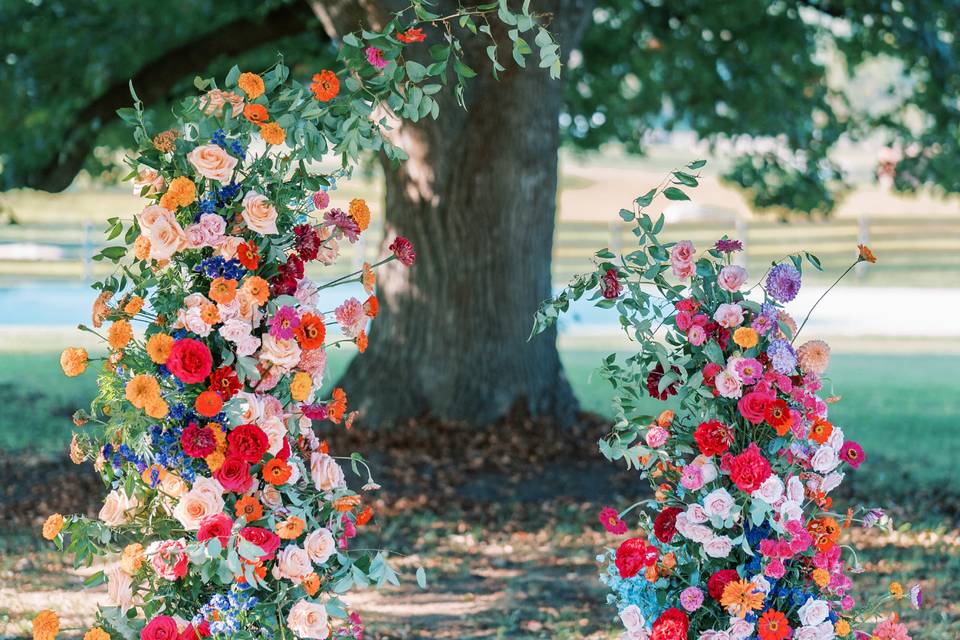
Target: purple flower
916, 596
782, 356
342, 221
691, 598
872, 518
727, 245
783, 282
284, 323
766, 320
375, 57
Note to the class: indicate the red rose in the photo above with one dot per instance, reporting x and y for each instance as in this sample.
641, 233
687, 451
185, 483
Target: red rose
190, 361
665, 524
671, 625
718, 582
215, 526
753, 406
248, 442
633, 555
225, 382
266, 540
191, 633
198, 442
160, 628
234, 475
749, 469
713, 437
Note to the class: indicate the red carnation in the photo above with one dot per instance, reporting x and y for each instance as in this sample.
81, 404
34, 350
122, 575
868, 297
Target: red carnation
248, 442
665, 524
653, 383
234, 475
403, 250
160, 628
267, 541
225, 382
713, 437
198, 442
215, 526
749, 469
671, 625
633, 555
719, 581
190, 361
610, 285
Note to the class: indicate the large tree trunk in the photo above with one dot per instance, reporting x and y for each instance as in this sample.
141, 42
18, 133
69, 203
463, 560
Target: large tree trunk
478, 200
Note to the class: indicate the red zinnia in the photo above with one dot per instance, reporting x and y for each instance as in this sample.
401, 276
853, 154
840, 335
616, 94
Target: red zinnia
672, 624
208, 403
777, 415
198, 442
713, 437
248, 255
718, 582
665, 524
247, 442
190, 360
773, 626
225, 382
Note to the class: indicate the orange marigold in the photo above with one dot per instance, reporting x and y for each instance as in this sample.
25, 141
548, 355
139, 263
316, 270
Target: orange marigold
73, 361
311, 584
96, 633
368, 278
251, 84
223, 290
52, 526
132, 558
142, 389
157, 408
821, 577
291, 528
300, 386
249, 508
182, 192
842, 628
276, 471
141, 248
745, 338
272, 133
360, 213
159, 346
119, 334
101, 308
164, 142
325, 85
46, 625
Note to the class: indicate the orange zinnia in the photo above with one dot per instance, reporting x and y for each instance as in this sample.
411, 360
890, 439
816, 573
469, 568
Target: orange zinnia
277, 471
210, 314
223, 290
865, 255
364, 516
312, 332
371, 307
773, 626
346, 503
256, 113
291, 528
325, 85
249, 508
820, 431
741, 597
257, 288
337, 405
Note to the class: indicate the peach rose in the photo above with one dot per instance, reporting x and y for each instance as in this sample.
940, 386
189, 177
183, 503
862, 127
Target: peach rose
147, 177
228, 247
308, 620
731, 278
204, 498
326, 473
211, 161
271, 497
320, 545
213, 102
161, 228
293, 563
259, 214
276, 432
119, 588
117, 508
280, 353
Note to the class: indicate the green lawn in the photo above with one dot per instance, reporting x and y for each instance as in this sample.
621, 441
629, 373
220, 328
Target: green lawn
904, 409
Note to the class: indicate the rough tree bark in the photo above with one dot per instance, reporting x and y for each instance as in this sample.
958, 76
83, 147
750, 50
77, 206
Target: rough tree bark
478, 200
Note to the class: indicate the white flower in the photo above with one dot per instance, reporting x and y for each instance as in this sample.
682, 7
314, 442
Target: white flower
795, 489
813, 612
697, 514
119, 588
790, 510
308, 620
632, 618
770, 491
708, 470
825, 459
326, 473
117, 508
718, 547
740, 629
718, 503
293, 563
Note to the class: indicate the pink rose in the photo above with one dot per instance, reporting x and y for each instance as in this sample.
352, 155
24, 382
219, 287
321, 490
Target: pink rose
212, 227
731, 278
728, 315
211, 161
718, 547
728, 385
656, 437
697, 335
168, 559
259, 214
681, 259
718, 503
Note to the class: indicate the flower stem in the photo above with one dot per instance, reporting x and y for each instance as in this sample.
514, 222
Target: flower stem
824, 295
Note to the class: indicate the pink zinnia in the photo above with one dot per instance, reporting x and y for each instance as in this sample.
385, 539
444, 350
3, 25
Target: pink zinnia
375, 57
351, 317
321, 199
852, 453
749, 370
284, 323
611, 521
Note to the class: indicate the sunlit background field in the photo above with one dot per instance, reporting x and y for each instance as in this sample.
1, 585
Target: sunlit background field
895, 368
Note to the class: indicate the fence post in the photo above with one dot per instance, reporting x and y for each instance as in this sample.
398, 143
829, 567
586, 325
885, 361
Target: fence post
87, 251
613, 228
863, 237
